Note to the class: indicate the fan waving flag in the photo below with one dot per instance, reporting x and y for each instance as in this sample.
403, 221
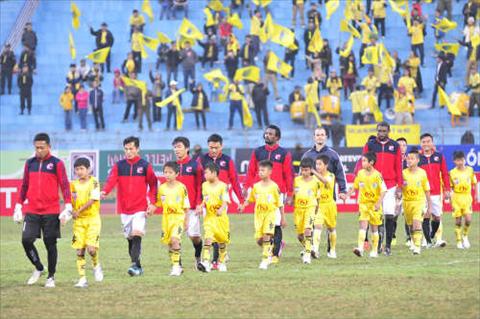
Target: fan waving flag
147, 8
189, 30
348, 48
347, 27
248, 73
316, 43
163, 38
210, 20
71, 43
445, 25
150, 43
444, 100
169, 99
275, 64
215, 75
331, 6
75, 15
448, 47
99, 56
397, 8
247, 116
283, 36
371, 55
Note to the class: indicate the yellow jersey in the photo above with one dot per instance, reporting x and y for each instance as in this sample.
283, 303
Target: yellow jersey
402, 103
266, 198
416, 33
366, 32
173, 199
369, 186
255, 26
415, 184
462, 180
378, 8
334, 86
474, 82
137, 21
305, 192
358, 99
137, 42
370, 83
82, 193
325, 193
214, 197
408, 83
236, 92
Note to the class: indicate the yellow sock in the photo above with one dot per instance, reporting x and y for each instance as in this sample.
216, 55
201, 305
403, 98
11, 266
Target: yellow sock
439, 233
317, 234
81, 262
175, 257
206, 252
95, 259
308, 244
458, 233
333, 240
222, 252
375, 240
417, 238
465, 230
361, 238
267, 249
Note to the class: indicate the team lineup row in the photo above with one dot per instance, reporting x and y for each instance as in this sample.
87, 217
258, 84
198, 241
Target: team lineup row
196, 187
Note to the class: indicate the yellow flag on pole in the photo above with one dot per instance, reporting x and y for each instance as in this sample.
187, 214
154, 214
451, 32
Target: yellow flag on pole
71, 43
99, 56
475, 40
448, 47
147, 8
370, 56
169, 99
283, 36
216, 5
316, 42
444, 100
347, 27
261, 3
75, 15
247, 116
397, 8
150, 43
386, 58
182, 40
235, 21
189, 30
444, 25
210, 20
248, 73
215, 75
331, 6
275, 64
267, 30
163, 38
348, 48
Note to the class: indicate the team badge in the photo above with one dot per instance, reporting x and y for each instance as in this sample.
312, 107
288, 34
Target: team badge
189, 169
435, 158
223, 163
456, 181
277, 156
139, 170
390, 148
50, 166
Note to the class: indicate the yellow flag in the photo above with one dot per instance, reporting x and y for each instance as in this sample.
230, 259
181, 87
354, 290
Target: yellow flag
348, 12
448, 47
408, 18
75, 15
370, 56
73, 51
163, 38
266, 31
215, 75
247, 116
396, 7
386, 58
189, 30
475, 40
235, 21
261, 3
348, 48
283, 36
180, 116
99, 56
331, 6
444, 100
169, 99
249, 73
182, 40
210, 19
147, 8
311, 95
347, 27
216, 5
445, 25
142, 85
144, 53
150, 43
275, 64
316, 42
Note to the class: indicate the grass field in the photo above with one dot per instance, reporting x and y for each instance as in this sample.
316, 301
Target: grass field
440, 283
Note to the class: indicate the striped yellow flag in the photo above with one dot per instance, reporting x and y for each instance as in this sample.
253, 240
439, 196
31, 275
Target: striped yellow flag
71, 43
75, 15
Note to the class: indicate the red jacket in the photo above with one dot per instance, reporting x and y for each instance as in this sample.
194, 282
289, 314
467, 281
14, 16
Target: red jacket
41, 179
134, 178
437, 172
282, 173
191, 175
389, 161
228, 173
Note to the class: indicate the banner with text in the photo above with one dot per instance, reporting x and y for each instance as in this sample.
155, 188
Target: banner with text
357, 135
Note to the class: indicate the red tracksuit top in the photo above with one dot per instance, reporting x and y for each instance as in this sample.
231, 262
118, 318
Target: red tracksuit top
389, 161
41, 180
134, 178
228, 172
282, 172
437, 172
191, 175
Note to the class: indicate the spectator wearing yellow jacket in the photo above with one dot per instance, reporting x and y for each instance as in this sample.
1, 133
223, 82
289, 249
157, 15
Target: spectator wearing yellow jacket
66, 102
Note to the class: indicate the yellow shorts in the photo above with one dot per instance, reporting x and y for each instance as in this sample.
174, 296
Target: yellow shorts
264, 224
217, 228
318, 218
86, 232
461, 205
303, 219
413, 210
369, 214
172, 227
329, 214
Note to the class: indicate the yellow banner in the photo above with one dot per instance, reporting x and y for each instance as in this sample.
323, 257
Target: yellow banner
357, 135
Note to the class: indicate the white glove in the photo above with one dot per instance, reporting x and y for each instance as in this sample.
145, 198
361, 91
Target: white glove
66, 214
17, 213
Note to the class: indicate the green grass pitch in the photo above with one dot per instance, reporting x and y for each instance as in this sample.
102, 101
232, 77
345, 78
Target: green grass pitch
440, 283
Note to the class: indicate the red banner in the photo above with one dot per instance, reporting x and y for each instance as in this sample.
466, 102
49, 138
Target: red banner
9, 189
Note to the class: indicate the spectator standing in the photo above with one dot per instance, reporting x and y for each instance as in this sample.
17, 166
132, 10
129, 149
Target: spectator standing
96, 102
25, 83
173, 60
81, 98
7, 64
189, 59
66, 102
133, 95
157, 88
29, 37
137, 21
200, 105
259, 96
103, 39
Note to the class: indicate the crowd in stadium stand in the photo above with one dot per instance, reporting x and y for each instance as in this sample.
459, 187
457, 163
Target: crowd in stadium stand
392, 80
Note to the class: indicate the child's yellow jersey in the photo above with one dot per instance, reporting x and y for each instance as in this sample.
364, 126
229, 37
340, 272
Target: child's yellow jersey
174, 200
214, 197
415, 184
462, 180
266, 198
370, 187
325, 194
305, 192
82, 193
